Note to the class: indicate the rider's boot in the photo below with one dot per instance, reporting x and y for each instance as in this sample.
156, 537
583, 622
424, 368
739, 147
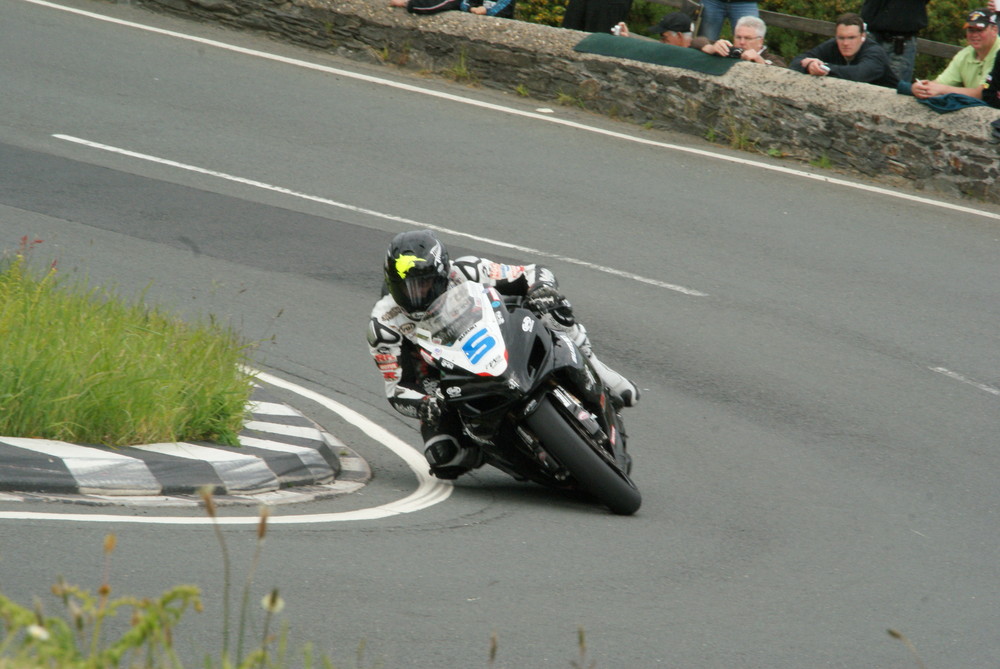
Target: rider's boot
621, 389
449, 459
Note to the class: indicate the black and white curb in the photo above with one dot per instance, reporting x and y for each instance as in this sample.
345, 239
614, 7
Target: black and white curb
280, 449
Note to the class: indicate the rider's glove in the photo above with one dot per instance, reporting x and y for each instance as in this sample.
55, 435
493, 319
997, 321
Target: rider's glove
429, 411
544, 298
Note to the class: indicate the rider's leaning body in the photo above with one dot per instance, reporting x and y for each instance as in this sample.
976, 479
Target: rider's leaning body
417, 272
407, 376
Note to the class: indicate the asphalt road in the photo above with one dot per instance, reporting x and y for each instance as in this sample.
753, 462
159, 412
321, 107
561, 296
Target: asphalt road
817, 443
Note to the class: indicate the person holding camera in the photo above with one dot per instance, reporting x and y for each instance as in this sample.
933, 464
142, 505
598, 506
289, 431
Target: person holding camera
748, 43
674, 28
848, 56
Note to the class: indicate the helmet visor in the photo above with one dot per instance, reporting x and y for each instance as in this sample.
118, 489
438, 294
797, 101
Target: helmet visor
421, 291
418, 289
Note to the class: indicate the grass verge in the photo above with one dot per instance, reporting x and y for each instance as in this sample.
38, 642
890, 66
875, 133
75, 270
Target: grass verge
84, 365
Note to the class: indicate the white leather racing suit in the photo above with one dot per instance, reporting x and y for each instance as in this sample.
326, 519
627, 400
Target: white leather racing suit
409, 376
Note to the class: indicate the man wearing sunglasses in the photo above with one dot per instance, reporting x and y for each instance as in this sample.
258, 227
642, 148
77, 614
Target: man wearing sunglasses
967, 71
848, 56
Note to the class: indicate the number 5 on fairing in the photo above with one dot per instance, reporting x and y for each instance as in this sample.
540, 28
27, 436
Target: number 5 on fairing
478, 345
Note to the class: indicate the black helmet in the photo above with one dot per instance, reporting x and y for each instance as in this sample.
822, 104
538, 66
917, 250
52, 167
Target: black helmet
416, 269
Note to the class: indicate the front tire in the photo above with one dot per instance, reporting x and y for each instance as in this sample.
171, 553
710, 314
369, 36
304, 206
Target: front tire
595, 476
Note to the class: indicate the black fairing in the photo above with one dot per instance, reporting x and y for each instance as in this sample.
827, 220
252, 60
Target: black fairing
538, 359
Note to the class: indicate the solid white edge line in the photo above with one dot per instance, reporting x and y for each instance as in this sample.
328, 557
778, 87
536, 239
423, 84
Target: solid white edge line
527, 114
958, 377
370, 212
429, 492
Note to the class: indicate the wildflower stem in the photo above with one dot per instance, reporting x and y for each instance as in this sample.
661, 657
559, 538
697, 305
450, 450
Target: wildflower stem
244, 606
206, 496
104, 591
909, 646
273, 604
263, 641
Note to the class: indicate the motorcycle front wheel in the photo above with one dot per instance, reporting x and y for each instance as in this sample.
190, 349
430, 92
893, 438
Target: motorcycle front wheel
592, 472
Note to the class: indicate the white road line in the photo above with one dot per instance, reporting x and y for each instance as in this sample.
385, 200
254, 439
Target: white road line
527, 114
429, 492
378, 214
958, 377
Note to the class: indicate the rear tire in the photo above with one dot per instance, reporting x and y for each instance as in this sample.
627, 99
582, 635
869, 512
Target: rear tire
594, 475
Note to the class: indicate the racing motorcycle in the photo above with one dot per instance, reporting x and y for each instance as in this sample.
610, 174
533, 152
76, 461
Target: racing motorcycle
527, 396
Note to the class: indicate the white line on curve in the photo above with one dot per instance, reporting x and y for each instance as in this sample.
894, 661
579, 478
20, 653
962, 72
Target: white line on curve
958, 377
429, 492
378, 214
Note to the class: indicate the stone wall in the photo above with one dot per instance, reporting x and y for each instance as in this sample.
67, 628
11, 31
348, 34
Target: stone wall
864, 128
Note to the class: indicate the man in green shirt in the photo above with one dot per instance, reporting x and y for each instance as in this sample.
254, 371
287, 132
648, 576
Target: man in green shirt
966, 73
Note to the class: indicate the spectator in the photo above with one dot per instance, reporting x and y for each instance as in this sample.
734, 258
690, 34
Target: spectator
894, 25
501, 8
966, 73
674, 28
748, 43
715, 12
595, 16
848, 56
991, 94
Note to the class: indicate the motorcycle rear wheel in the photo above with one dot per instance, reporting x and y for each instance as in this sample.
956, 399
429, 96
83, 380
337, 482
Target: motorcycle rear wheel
594, 475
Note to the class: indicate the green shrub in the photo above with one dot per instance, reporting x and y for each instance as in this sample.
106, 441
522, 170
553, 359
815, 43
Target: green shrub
83, 365
644, 14
945, 19
544, 12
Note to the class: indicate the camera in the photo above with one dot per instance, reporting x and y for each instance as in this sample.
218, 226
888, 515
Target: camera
735, 52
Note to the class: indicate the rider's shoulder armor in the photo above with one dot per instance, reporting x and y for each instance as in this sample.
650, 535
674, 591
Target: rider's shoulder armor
389, 323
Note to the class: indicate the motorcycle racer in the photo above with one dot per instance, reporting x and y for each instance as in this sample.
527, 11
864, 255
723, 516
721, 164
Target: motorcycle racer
417, 271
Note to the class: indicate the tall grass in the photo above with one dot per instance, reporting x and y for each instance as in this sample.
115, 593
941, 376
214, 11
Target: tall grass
84, 365
32, 639
79, 635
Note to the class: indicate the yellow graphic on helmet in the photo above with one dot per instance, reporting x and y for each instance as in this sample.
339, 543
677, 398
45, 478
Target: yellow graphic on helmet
405, 263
